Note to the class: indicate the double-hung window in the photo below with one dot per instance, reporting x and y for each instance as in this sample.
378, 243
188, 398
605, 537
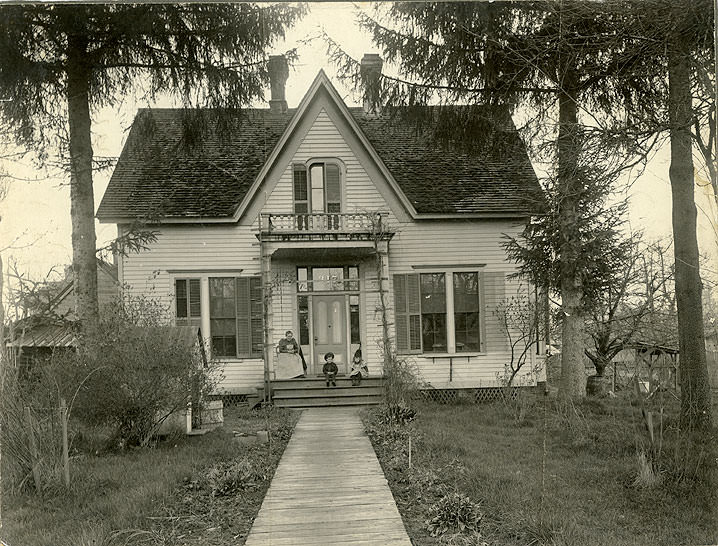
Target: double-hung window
433, 312
235, 313
467, 328
438, 312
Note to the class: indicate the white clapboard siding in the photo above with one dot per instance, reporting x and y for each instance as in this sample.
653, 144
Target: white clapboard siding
372, 351
470, 241
324, 140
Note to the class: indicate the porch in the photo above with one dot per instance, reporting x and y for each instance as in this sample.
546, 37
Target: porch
320, 277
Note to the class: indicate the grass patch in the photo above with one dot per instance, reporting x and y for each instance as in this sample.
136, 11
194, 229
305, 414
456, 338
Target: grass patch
205, 490
583, 493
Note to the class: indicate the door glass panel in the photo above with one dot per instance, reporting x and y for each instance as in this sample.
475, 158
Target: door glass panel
302, 279
353, 274
337, 326
354, 319
320, 327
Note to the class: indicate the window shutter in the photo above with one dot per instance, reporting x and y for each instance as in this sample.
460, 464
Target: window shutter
407, 313
333, 187
257, 316
195, 308
413, 304
401, 318
244, 308
492, 290
300, 189
188, 310
180, 301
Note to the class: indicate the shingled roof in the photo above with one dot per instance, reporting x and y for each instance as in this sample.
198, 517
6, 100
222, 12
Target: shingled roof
160, 175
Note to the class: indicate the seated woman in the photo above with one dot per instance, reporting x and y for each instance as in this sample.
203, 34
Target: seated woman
289, 345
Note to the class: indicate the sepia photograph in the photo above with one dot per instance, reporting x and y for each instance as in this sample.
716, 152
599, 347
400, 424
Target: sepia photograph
359, 273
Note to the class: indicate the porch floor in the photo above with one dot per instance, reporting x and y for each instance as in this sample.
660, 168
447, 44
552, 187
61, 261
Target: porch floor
328, 488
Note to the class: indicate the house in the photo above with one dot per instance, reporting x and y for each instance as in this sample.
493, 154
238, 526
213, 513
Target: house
307, 219
52, 327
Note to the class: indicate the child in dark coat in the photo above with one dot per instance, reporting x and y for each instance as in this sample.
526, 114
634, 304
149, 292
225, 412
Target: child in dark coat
330, 369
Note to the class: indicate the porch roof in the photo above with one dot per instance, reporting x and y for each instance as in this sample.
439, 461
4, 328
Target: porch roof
339, 255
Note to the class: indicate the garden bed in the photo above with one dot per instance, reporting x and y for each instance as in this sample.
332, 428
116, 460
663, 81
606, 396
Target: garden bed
583, 488
202, 490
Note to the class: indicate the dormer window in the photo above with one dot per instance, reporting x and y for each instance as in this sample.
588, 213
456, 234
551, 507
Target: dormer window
317, 188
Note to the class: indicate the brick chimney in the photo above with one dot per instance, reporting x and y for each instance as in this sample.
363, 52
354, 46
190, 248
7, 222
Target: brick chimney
371, 65
278, 74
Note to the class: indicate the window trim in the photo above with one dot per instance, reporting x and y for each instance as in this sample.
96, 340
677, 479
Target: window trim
307, 165
450, 310
251, 342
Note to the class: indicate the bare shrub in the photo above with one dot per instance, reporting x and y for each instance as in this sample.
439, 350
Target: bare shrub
132, 371
402, 387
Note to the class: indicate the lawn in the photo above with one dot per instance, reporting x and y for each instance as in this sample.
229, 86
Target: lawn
580, 490
203, 490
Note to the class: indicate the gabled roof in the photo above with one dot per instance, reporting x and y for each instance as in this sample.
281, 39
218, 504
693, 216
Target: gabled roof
68, 289
54, 327
160, 177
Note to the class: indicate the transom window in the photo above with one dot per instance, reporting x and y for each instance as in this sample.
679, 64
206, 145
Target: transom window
328, 279
317, 189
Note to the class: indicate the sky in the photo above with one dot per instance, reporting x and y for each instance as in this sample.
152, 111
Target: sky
35, 215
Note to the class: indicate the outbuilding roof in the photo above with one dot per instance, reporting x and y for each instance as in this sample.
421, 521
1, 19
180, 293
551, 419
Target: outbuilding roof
162, 175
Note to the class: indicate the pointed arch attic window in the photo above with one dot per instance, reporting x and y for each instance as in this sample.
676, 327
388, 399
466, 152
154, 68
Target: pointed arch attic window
317, 189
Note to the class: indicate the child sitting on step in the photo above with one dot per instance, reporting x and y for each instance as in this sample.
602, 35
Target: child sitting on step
359, 369
330, 369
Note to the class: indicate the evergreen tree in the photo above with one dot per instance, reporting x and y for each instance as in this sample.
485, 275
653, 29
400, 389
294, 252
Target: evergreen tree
60, 63
543, 56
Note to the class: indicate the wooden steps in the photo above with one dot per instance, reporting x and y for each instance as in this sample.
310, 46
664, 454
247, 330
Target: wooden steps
313, 392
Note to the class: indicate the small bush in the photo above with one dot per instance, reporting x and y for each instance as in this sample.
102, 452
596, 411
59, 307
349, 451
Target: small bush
396, 415
454, 513
229, 478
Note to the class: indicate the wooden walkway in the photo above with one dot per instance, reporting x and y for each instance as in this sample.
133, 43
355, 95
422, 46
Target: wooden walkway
329, 488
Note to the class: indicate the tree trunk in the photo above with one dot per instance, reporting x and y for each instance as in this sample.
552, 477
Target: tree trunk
695, 390
82, 203
573, 376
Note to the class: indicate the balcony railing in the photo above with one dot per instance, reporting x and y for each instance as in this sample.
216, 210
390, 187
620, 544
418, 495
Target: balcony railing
357, 222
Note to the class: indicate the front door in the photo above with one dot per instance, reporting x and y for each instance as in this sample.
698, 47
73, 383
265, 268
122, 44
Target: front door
330, 330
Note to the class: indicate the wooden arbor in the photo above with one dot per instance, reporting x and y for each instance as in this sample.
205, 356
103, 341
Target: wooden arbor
660, 364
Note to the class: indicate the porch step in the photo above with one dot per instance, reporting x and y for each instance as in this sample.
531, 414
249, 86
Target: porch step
313, 392
326, 401
338, 391
319, 382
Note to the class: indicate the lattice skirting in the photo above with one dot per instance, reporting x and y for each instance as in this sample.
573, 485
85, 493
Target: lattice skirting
472, 396
234, 399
